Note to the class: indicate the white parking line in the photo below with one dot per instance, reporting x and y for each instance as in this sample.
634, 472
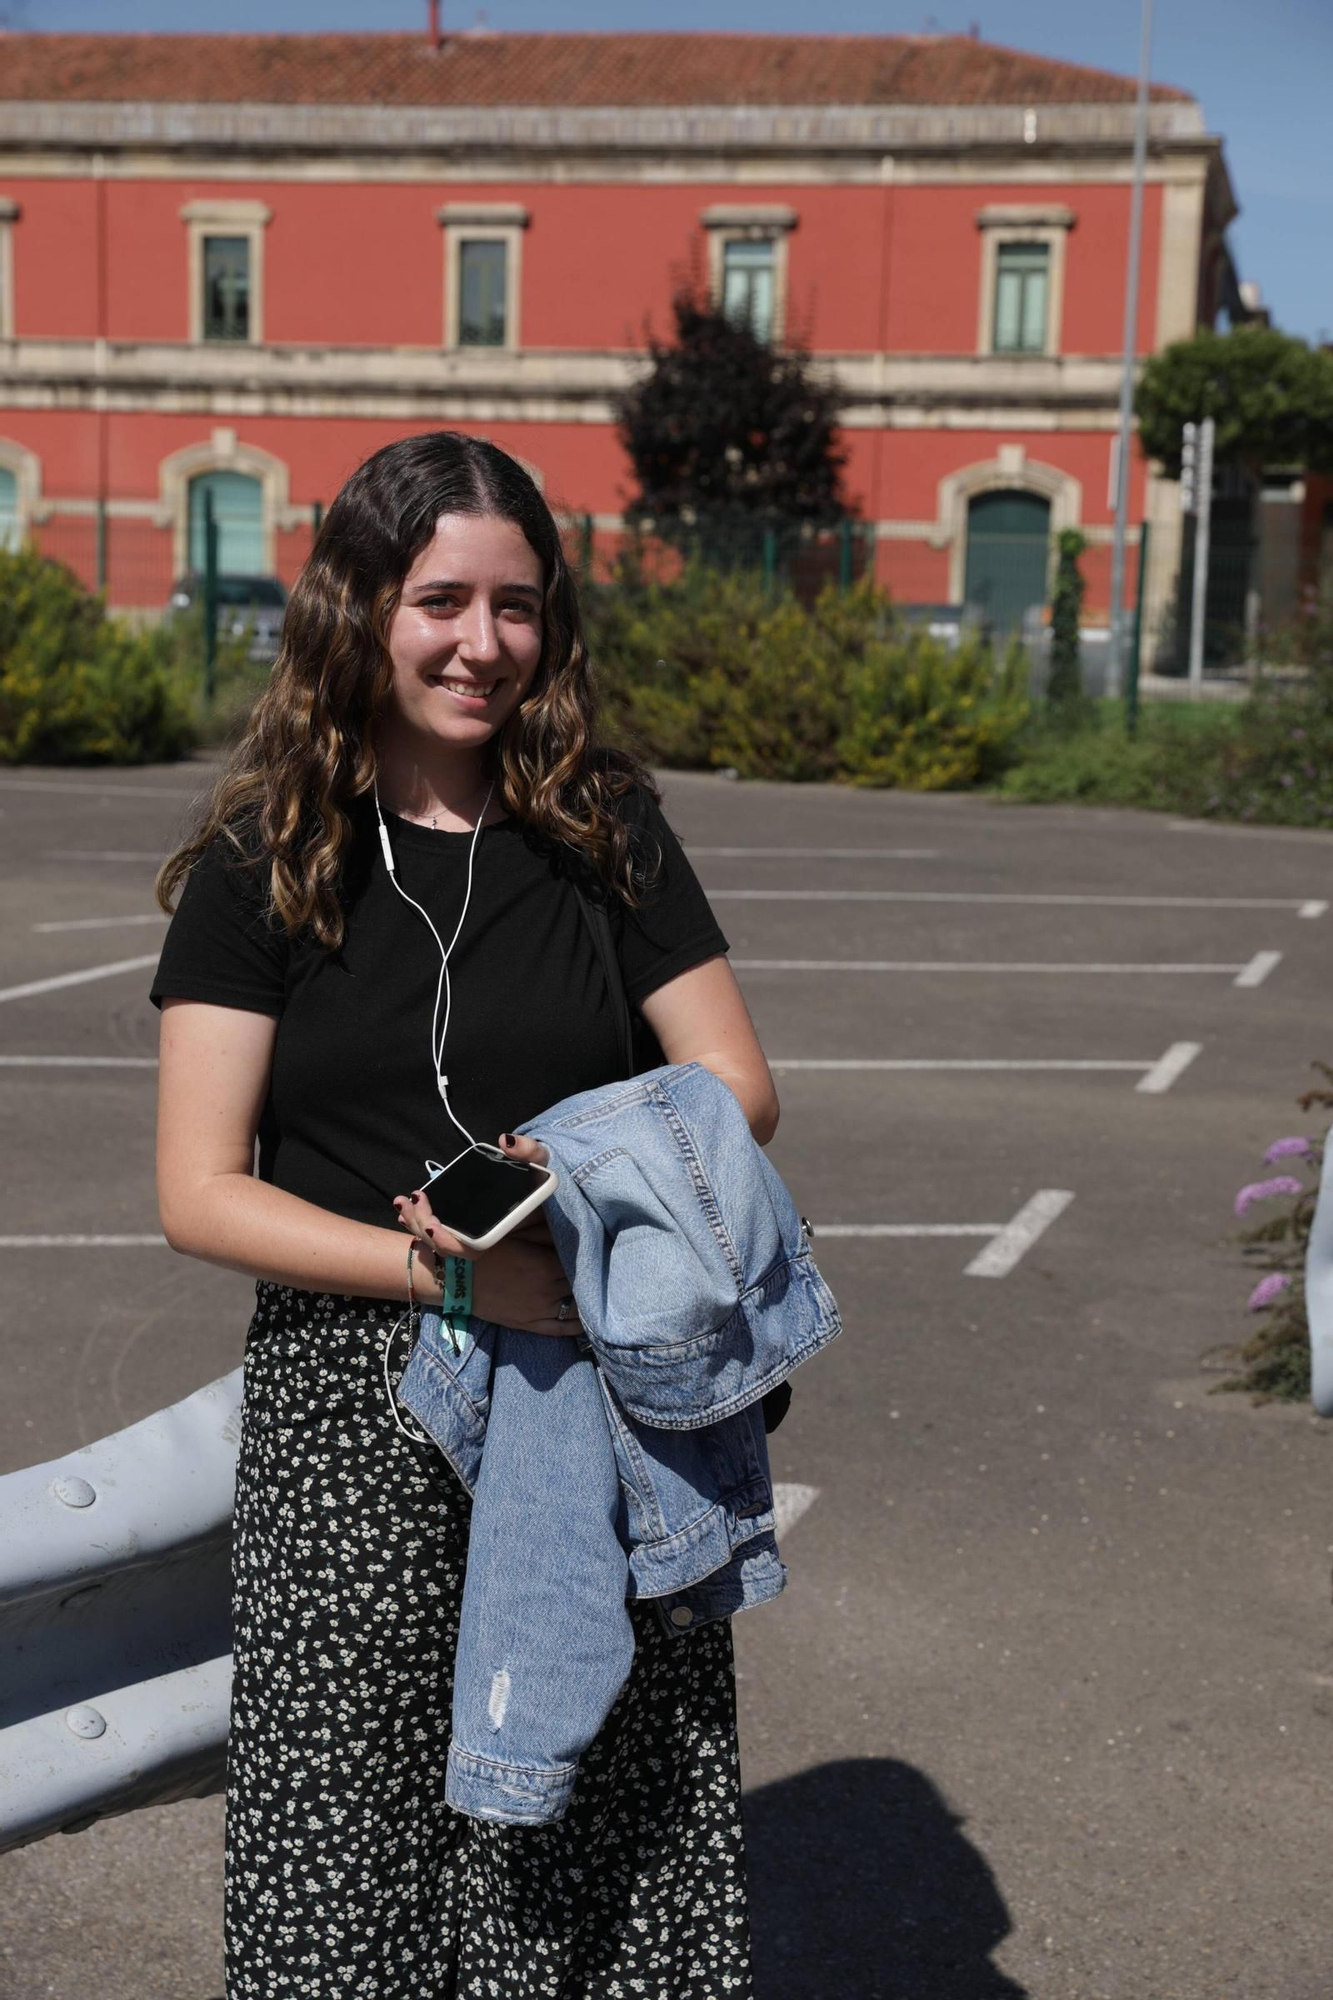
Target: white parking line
1155, 1077
790, 1501
1013, 1242
1009, 1241
821, 853
1249, 974
98, 791
100, 923
78, 1062
77, 978
1259, 967
82, 1242
1301, 908
1169, 1067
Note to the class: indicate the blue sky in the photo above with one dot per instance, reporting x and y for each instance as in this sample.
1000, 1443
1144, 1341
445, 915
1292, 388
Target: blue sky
1262, 72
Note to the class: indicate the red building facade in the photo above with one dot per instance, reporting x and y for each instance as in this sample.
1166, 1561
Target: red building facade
239, 264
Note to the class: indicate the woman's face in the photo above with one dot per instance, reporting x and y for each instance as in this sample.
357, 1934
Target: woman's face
466, 637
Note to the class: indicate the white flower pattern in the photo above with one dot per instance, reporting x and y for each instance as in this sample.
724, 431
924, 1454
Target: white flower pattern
346, 1873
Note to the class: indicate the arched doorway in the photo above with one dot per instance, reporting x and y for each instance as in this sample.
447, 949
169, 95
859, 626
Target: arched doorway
238, 509
9, 509
1008, 556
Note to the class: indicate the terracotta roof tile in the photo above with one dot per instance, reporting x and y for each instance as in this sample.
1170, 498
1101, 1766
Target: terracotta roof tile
480, 69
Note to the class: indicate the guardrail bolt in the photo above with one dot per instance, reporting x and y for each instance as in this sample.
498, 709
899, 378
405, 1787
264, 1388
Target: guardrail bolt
85, 1721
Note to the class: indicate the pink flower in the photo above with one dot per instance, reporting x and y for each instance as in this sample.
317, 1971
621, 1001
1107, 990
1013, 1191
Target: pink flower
1266, 1291
1261, 1190
1286, 1149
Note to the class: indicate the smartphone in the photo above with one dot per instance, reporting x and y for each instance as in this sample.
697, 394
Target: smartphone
482, 1194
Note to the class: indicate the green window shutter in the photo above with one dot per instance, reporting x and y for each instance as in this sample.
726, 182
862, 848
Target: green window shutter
482, 292
9, 510
749, 283
1022, 279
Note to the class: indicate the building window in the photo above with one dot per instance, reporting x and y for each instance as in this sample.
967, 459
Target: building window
226, 288
483, 267
9, 213
747, 263
1022, 277
226, 269
749, 283
483, 246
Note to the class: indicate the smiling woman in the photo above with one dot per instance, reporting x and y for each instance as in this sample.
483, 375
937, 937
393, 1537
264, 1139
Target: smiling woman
383, 927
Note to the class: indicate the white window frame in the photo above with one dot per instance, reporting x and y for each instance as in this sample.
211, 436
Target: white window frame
483, 222
9, 215
1047, 223
226, 218
750, 222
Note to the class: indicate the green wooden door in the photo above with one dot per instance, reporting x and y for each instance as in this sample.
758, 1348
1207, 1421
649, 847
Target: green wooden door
1008, 545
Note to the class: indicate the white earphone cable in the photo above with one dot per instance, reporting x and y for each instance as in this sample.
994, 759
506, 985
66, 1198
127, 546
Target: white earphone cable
443, 985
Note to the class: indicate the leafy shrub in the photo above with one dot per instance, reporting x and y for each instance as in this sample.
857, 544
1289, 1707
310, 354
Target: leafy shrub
711, 670
1066, 682
77, 687
1173, 764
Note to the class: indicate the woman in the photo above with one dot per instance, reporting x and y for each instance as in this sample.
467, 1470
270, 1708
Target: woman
433, 667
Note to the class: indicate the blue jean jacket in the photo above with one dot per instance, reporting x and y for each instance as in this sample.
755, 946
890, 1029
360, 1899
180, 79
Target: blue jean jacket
582, 1500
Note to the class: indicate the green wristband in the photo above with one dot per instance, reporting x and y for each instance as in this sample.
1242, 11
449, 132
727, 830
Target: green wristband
455, 1275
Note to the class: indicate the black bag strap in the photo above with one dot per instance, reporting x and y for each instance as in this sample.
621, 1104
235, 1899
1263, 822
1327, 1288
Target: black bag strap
599, 924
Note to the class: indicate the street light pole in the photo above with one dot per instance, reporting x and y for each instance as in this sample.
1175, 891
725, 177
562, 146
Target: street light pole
1119, 623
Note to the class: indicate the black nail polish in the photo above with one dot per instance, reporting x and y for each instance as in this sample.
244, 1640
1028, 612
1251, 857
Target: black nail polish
508, 1139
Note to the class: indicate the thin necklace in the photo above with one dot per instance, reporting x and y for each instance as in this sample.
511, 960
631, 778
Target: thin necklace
415, 819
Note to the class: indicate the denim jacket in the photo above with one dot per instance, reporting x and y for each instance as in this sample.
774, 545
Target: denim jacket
630, 1463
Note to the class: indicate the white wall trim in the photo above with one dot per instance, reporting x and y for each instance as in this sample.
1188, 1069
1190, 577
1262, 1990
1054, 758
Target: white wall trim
223, 452
1014, 222
483, 222
217, 217
1011, 469
9, 215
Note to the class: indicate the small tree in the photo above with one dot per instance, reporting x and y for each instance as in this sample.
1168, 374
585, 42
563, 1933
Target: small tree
725, 431
1270, 396
1066, 682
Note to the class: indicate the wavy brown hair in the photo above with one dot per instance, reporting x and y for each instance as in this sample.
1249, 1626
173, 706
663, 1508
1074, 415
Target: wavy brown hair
308, 750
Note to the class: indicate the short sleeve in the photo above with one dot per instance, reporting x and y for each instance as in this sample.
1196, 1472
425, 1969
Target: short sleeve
673, 927
221, 947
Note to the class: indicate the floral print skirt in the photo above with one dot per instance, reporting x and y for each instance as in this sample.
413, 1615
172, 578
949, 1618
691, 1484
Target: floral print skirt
346, 1872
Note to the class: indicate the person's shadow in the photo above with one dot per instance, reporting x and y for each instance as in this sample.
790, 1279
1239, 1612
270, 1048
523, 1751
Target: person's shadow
863, 1887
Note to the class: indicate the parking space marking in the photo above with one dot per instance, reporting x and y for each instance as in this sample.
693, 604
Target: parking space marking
822, 853
1154, 1077
101, 923
82, 1242
1252, 973
1009, 1241
78, 1062
1169, 1067
98, 791
790, 1501
1301, 908
1258, 969
90, 972
1012, 1243
105, 854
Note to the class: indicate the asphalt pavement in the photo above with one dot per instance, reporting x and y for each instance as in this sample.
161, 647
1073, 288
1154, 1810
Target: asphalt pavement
1044, 1708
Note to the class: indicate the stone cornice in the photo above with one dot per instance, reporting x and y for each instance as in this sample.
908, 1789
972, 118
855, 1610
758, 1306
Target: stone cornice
337, 128
533, 386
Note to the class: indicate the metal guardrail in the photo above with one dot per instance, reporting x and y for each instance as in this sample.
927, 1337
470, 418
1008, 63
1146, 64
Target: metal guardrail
115, 1620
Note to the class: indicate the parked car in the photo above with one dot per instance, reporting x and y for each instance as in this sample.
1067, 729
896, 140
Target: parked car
252, 605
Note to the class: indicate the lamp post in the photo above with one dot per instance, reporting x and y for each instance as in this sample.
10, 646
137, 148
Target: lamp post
1124, 440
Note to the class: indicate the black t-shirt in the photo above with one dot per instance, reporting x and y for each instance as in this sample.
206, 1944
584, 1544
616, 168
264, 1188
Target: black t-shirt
352, 1112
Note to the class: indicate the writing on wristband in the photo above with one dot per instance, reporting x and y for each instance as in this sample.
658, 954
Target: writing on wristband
455, 1275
